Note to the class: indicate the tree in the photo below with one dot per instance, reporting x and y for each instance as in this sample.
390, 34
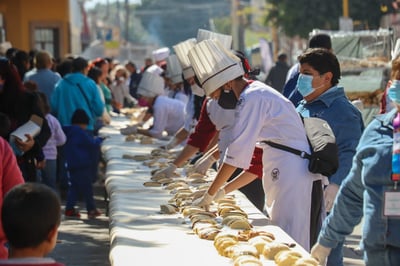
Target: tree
302, 16
369, 13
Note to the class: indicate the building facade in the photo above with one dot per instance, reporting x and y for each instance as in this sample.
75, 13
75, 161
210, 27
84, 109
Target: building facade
50, 25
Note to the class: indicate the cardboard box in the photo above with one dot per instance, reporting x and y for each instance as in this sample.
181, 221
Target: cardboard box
32, 127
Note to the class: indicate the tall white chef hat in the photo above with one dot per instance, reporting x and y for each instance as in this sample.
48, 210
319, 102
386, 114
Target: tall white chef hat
174, 69
155, 69
161, 54
182, 49
150, 85
225, 40
214, 65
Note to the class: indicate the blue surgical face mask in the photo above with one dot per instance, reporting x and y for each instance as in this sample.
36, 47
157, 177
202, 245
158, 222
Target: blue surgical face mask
304, 85
394, 91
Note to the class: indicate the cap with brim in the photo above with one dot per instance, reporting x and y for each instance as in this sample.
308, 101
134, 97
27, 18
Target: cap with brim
161, 54
151, 85
181, 50
4, 46
214, 65
174, 69
225, 40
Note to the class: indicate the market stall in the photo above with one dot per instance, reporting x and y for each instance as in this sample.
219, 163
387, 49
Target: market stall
364, 58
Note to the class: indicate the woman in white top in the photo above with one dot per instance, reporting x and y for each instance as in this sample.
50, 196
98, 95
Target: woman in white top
120, 87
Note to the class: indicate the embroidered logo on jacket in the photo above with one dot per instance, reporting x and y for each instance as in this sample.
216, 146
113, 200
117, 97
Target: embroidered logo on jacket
240, 101
275, 174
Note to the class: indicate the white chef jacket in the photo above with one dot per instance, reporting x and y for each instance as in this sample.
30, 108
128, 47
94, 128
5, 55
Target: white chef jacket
263, 113
190, 121
121, 92
168, 115
181, 96
223, 120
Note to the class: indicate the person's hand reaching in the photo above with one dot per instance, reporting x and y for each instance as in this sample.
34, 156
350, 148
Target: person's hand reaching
320, 253
203, 164
166, 172
204, 201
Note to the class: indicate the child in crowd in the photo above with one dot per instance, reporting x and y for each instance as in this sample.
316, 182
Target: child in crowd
57, 138
31, 217
80, 152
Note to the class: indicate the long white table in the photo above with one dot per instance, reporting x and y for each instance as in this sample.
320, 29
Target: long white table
139, 233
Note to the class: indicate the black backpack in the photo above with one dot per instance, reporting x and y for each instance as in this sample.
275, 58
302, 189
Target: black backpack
324, 157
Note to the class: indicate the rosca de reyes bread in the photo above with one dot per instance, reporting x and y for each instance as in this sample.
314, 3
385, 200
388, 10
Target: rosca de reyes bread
287, 257
247, 260
306, 261
271, 249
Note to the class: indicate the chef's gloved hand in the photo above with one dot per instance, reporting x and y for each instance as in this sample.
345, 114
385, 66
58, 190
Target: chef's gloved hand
129, 130
166, 172
204, 201
202, 165
198, 194
171, 144
320, 253
106, 118
220, 194
329, 196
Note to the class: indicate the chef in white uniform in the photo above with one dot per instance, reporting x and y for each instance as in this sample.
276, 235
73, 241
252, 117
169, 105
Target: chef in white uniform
261, 114
168, 114
181, 49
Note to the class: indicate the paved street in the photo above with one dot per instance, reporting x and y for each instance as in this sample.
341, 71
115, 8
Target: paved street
84, 242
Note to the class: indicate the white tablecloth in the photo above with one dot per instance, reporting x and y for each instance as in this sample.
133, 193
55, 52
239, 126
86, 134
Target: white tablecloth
139, 233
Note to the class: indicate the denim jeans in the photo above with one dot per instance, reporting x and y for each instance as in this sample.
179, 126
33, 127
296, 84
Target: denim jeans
49, 174
80, 183
384, 256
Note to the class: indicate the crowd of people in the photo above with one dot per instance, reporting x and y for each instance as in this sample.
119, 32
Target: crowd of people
206, 98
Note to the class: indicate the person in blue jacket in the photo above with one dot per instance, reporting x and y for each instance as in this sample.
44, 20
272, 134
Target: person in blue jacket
77, 91
80, 152
289, 90
325, 99
370, 190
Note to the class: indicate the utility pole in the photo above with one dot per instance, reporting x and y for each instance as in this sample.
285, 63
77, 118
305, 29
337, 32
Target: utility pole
127, 18
235, 24
345, 8
345, 22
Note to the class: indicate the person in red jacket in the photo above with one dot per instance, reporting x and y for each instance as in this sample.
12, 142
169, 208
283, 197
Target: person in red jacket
10, 176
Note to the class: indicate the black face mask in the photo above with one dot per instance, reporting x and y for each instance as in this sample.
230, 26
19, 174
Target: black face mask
227, 99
